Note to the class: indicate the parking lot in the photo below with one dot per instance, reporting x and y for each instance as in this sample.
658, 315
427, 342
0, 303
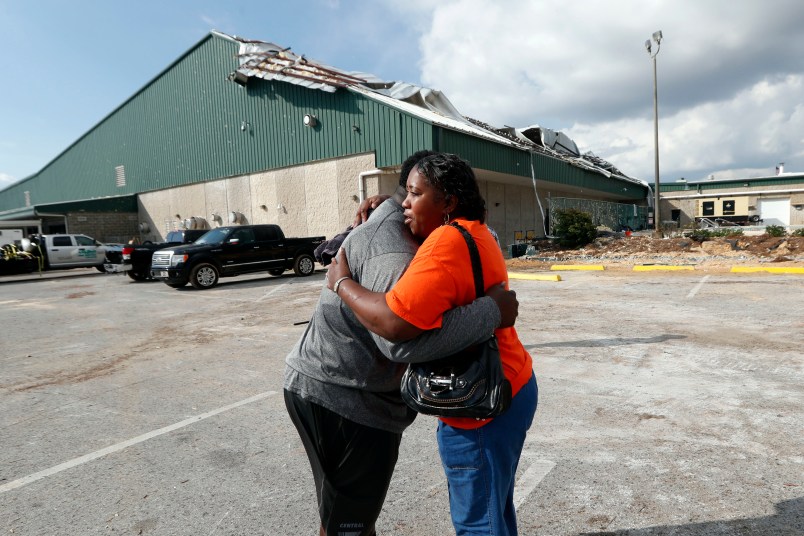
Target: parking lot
670, 403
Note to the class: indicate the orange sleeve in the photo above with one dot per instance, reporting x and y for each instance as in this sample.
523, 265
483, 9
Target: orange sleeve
431, 285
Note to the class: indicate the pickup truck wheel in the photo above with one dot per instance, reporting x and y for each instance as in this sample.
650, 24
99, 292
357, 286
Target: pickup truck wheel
136, 276
304, 264
100, 268
276, 271
204, 276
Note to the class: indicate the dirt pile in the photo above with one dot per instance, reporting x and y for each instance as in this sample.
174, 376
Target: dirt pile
618, 249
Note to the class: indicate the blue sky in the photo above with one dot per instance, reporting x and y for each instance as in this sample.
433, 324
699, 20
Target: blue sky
731, 77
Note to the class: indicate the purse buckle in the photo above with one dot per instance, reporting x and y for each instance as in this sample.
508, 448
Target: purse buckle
445, 383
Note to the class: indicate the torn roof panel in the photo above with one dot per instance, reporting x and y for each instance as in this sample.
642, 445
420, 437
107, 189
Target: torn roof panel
434, 116
271, 62
268, 61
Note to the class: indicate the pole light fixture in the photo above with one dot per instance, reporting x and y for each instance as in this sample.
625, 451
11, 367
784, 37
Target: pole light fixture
657, 38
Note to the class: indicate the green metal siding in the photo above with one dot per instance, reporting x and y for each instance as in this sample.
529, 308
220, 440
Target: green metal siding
796, 180
673, 187
561, 172
126, 203
486, 154
184, 127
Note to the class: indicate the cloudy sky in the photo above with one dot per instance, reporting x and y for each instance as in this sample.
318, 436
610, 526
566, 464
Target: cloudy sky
730, 73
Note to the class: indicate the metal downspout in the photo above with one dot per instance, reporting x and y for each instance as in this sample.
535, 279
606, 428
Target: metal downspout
536, 193
361, 180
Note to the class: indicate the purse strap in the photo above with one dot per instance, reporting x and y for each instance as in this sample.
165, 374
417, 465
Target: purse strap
477, 267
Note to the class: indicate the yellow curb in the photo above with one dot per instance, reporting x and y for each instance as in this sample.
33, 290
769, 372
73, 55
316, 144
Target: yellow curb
534, 277
652, 267
577, 267
773, 270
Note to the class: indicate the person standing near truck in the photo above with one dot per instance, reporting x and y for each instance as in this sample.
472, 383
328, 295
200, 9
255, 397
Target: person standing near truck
342, 382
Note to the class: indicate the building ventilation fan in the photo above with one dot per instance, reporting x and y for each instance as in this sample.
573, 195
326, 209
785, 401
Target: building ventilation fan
195, 222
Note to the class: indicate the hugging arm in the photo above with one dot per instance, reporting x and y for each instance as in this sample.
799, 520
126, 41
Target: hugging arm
460, 327
366, 206
473, 323
369, 307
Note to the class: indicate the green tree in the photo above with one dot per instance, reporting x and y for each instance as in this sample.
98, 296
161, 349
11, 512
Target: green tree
574, 228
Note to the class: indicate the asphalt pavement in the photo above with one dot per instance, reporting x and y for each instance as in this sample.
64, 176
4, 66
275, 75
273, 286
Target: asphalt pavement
670, 403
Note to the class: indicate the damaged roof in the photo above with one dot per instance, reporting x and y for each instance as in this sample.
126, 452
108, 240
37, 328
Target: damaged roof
268, 61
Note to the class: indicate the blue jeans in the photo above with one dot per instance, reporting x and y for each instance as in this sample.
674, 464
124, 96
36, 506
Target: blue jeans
481, 465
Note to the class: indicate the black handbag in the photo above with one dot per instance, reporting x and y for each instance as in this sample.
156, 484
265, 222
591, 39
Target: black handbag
469, 383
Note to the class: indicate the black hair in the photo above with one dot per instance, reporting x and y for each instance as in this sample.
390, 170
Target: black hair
409, 163
453, 176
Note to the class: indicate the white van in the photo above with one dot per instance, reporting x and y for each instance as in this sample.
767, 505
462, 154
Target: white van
71, 251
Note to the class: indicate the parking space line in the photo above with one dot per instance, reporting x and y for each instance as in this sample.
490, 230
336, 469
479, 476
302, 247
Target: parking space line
271, 292
128, 443
530, 479
697, 287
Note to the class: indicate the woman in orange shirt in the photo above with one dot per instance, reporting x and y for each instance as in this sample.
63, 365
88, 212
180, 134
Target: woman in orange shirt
479, 457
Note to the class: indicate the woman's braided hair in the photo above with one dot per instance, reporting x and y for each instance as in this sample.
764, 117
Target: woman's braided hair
452, 176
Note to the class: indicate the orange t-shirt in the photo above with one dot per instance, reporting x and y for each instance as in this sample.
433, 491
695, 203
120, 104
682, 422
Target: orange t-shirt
440, 278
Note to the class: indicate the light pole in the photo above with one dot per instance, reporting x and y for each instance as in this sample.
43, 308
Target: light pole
657, 37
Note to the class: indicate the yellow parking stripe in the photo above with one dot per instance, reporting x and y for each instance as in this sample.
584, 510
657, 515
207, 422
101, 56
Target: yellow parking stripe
770, 269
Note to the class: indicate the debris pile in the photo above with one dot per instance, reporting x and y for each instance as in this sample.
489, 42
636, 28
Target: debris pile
619, 249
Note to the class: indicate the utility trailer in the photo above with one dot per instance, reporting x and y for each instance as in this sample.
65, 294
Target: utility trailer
734, 209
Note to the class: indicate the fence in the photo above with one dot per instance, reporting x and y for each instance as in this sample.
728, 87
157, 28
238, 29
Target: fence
615, 216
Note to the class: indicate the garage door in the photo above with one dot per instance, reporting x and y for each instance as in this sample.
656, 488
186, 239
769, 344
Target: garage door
775, 211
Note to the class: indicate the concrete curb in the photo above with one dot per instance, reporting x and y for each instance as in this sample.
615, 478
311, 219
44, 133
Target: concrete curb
577, 267
534, 277
49, 275
654, 268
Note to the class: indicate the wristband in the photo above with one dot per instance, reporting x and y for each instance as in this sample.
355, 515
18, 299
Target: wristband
338, 283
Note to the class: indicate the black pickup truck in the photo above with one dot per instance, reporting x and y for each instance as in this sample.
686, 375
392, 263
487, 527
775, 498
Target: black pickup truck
234, 250
135, 259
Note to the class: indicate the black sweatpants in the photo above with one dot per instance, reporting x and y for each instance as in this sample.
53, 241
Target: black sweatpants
352, 466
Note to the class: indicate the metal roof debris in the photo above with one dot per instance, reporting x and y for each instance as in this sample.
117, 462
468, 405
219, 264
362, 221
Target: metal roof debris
268, 61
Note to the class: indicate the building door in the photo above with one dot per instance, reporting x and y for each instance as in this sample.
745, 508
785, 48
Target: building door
774, 211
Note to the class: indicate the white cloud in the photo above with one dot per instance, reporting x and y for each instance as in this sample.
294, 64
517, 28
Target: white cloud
728, 94
749, 132
6, 180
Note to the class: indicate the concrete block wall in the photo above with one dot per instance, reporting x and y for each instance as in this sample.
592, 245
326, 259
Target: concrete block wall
319, 198
107, 227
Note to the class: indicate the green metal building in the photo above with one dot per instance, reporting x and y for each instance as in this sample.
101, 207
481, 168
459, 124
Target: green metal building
772, 200
238, 131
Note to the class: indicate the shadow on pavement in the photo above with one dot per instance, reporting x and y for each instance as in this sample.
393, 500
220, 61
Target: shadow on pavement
596, 343
787, 521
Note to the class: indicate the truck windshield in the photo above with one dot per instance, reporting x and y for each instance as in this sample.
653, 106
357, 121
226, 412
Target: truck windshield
214, 236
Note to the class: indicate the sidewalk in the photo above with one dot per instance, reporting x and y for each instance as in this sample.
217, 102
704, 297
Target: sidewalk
48, 274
